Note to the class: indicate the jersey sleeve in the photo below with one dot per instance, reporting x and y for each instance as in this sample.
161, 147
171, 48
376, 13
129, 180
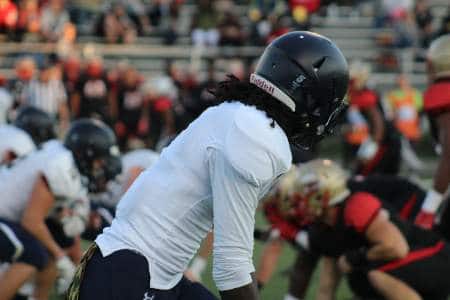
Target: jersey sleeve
437, 98
360, 210
234, 206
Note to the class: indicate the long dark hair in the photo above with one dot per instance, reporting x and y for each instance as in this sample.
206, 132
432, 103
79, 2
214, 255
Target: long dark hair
233, 89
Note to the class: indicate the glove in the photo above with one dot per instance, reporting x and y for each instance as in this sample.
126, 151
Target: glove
73, 225
425, 218
367, 150
66, 271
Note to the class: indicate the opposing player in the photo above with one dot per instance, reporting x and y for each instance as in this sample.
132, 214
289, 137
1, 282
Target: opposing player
47, 185
213, 175
437, 106
381, 253
287, 214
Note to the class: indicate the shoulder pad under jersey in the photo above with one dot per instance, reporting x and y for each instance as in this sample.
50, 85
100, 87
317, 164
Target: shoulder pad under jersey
15, 140
61, 172
257, 147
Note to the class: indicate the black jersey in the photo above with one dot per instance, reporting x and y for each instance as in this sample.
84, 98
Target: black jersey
399, 195
355, 215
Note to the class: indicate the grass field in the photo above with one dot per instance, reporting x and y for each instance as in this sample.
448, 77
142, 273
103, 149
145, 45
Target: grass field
277, 286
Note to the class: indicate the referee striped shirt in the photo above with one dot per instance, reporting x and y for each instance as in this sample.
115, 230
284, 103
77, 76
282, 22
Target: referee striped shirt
47, 96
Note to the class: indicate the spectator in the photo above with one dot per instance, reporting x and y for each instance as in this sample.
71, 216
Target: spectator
136, 10
132, 113
71, 77
204, 26
48, 94
54, 21
230, 30
424, 21
6, 100
160, 93
301, 12
445, 25
8, 16
28, 21
117, 25
93, 98
25, 70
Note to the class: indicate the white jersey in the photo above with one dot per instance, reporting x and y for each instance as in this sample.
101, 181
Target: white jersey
140, 158
15, 140
211, 176
54, 162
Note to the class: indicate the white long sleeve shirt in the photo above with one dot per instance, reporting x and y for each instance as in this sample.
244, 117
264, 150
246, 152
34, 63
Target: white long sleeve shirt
211, 176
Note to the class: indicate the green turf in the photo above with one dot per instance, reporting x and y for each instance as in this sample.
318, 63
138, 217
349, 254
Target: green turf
277, 286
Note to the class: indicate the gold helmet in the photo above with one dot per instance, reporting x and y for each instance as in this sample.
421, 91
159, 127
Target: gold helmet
323, 183
285, 190
438, 57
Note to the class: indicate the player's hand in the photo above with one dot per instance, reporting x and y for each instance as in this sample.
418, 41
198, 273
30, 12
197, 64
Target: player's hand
344, 265
66, 271
425, 219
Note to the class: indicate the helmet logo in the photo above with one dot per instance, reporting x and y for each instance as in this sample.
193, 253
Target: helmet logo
262, 84
295, 84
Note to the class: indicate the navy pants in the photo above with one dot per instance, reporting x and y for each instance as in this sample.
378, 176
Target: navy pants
18, 245
124, 275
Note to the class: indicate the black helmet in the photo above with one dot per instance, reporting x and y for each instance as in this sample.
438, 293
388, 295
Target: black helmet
37, 123
91, 140
309, 74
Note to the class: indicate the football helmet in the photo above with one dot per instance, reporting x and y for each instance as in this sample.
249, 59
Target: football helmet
309, 74
95, 150
438, 57
37, 123
322, 183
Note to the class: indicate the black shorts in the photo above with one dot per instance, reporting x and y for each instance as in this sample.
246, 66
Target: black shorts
124, 275
429, 276
17, 245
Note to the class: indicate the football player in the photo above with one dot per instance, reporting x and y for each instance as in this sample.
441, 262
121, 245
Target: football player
213, 175
47, 185
285, 212
437, 106
37, 123
14, 143
103, 205
382, 254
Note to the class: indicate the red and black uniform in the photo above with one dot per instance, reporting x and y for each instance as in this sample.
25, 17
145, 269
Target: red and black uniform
426, 268
388, 157
401, 196
436, 102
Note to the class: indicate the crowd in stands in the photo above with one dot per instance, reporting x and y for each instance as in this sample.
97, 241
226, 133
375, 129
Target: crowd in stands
144, 111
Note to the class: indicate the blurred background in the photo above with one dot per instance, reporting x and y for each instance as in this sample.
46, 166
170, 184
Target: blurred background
146, 67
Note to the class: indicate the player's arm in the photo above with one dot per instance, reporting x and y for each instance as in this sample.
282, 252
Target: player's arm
364, 214
37, 209
376, 119
329, 279
442, 175
249, 291
234, 205
386, 239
